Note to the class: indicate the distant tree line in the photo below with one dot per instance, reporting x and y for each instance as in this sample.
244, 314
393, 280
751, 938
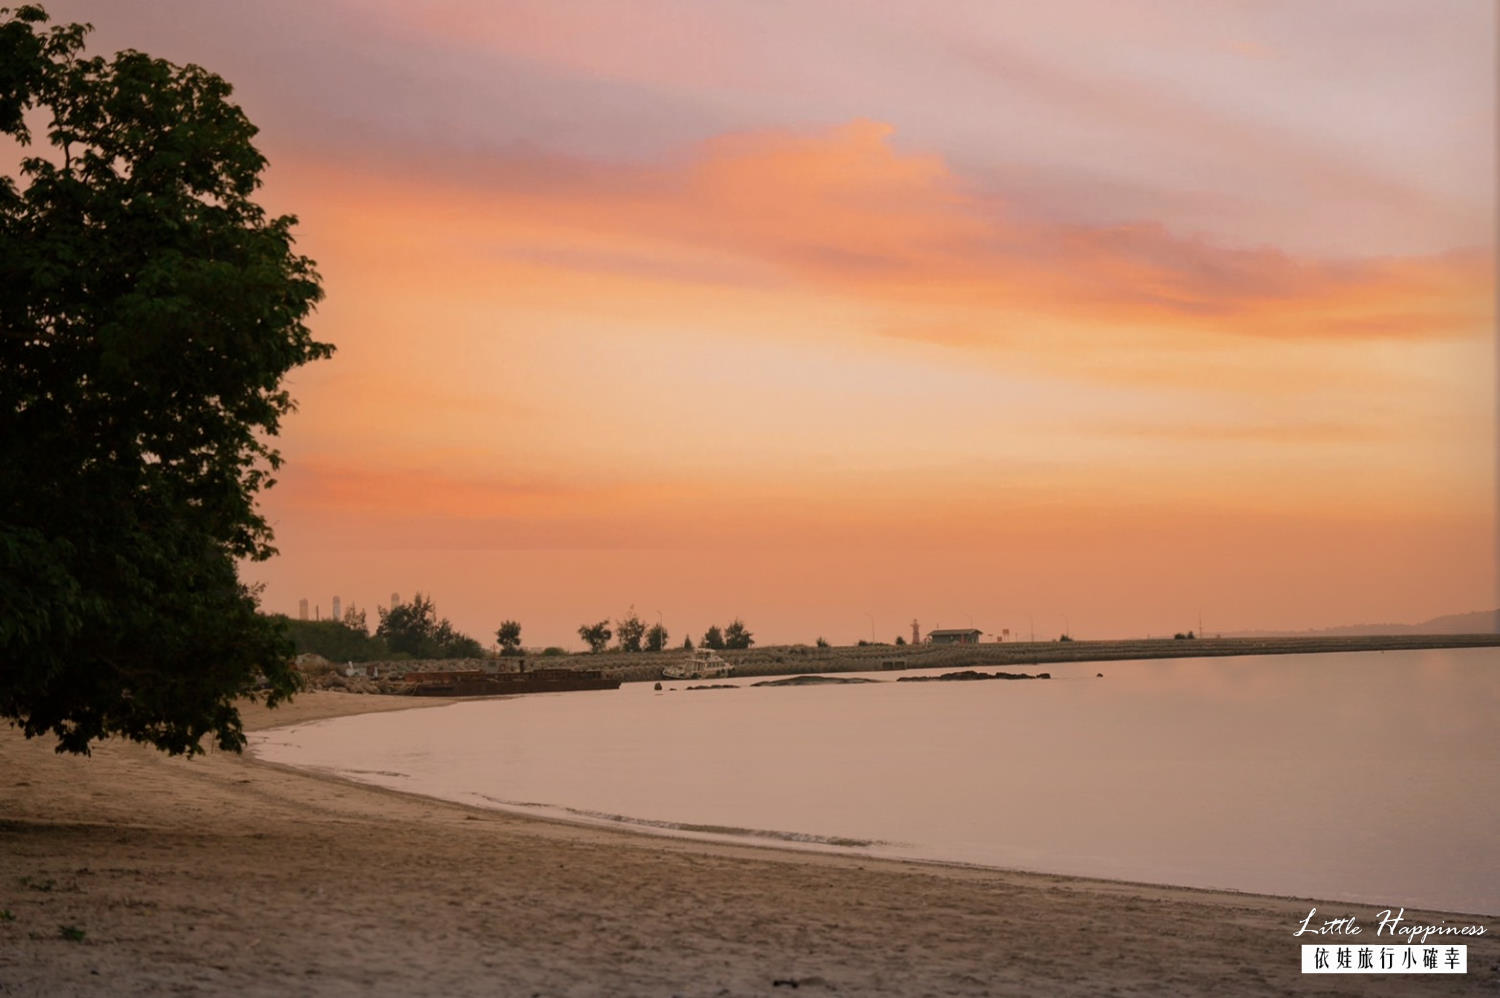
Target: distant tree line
413, 630
406, 631
632, 635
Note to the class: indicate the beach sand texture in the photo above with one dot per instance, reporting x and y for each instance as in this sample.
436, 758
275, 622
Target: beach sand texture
221, 875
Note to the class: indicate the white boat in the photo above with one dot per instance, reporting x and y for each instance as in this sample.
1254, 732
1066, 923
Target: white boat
705, 663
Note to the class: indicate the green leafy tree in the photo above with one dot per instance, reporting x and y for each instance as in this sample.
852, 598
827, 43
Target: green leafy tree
596, 636
149, 311
508, 637
656, 637
629, 631
414, 629
735, 635
713, 638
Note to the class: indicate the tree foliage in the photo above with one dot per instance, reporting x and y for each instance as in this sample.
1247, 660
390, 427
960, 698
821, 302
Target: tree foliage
712, 638
355, 620
629, 631
335, 641
508, 637
149, 310
596, 636
656, 637
735, 635
414, 629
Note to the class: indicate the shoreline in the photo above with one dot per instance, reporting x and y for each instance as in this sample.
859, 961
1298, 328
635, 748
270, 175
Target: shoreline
753, 840
230, 874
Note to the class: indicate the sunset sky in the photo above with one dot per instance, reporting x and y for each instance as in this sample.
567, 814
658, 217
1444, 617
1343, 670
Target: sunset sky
832, 314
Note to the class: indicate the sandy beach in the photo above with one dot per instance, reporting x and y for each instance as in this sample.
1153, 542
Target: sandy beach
223, 875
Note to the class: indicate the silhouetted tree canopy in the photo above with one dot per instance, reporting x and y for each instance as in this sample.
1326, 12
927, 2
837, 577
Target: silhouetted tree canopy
335, 640
414, 629
149, 310
656, 637
629, 630
713, 638
596, 636
508, 637
735, 635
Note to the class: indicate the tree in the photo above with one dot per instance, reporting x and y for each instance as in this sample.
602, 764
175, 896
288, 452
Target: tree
687, 643
149, 310
451, 643
334, 641
656, 637
822, 641
596, 636
713, 638
900, 640
355, 620
414, 629
409, 628
508, 637
735, 635
630, 631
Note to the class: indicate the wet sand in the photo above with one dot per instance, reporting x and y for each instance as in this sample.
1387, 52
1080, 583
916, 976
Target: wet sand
222, 875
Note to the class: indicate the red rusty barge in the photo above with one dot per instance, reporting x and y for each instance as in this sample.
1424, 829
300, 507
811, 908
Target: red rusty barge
491, 684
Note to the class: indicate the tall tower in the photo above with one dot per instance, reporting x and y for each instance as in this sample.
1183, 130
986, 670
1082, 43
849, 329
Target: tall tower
302, 608
916, 632
395, 598
336, 615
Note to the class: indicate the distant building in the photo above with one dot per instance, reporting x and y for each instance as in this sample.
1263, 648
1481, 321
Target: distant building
302, 609
955, 636
336, 614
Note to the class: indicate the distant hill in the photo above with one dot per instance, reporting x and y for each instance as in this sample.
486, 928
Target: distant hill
1478, 622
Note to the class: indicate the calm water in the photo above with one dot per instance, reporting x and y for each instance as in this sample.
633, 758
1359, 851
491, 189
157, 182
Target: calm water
1370, 777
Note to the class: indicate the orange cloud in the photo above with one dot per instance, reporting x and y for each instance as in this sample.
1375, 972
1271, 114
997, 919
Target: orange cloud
844, 212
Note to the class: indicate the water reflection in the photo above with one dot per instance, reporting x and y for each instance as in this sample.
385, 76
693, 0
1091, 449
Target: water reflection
1367, 777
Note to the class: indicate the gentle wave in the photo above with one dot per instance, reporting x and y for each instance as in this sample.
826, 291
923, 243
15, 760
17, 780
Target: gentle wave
698, 829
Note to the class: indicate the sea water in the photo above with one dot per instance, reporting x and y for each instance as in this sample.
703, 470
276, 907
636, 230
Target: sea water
1371, 777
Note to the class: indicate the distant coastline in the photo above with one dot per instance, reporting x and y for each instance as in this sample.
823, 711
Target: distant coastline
787, 660
780, 661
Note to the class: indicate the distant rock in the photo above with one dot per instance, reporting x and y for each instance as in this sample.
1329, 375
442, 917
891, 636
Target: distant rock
717, 686
814, 681
969, 675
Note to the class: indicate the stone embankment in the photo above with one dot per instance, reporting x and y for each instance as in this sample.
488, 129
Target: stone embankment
787, 660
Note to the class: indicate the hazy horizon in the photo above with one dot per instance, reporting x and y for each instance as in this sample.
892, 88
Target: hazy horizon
828, 317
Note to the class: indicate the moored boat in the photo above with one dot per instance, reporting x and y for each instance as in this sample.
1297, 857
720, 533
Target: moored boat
705, 663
